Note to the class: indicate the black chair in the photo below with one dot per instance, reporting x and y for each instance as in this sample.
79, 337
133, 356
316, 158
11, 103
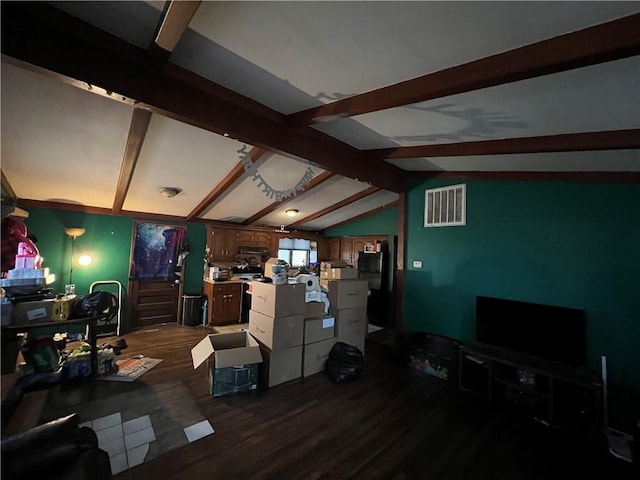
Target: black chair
59, 449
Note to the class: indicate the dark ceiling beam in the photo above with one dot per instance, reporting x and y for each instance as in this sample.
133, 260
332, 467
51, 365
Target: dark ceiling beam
63, 47
363, 215
174, 23
571, 142
236, 173
137, 131
595, 177
601, 43
7, 187
315, 181
334, 207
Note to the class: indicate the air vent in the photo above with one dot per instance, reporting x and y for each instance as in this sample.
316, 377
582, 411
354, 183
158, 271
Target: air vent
445, 206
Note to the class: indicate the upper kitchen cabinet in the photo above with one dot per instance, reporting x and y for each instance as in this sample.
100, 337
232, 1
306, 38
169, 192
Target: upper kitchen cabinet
253, 238
222, 244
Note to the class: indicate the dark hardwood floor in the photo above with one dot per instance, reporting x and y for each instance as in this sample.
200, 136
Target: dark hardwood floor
389, 424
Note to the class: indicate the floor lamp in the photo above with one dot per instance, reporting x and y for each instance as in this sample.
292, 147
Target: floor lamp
73, 233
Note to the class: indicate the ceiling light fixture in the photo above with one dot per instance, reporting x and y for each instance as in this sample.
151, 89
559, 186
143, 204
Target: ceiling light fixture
291, 212
169, 192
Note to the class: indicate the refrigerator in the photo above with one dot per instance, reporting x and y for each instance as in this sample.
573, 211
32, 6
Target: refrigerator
371, 267
374, 268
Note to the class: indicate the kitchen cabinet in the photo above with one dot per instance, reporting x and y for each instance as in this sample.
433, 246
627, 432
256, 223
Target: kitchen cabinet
346, 249
222, 243
334, 248
224, 299
253, 238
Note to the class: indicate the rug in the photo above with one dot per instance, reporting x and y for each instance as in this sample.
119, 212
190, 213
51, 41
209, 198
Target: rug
129, 369
142, 423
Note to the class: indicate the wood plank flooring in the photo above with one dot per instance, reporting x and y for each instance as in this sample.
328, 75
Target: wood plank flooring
389, 424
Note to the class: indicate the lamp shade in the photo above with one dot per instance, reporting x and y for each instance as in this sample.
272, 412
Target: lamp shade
74, 232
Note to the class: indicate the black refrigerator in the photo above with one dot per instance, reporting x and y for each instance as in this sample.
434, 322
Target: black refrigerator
373, 267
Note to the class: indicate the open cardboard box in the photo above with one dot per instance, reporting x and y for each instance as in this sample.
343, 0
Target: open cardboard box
232, 362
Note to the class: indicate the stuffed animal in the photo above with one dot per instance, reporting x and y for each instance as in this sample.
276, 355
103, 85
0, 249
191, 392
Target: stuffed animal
16, 242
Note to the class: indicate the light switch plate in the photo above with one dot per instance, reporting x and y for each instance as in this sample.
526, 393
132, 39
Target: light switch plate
417, 264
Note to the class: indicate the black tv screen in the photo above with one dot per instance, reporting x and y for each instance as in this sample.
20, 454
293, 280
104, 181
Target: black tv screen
546, 331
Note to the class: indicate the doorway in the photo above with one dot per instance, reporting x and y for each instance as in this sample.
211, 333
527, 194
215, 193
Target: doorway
155, 289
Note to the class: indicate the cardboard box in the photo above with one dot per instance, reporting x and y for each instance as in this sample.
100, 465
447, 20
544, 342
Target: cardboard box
232, 362
351, 326
278, 300
62, 308
315, 355
318, 329
339, 273
333, 264
313, 309
276, 333
24, 313
348, 293
280, 366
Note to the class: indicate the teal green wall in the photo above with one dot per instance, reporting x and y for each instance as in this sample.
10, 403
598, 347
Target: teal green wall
108, 240
382, 223
566, 244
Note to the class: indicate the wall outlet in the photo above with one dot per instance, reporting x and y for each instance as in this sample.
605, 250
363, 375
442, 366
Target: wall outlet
417, 264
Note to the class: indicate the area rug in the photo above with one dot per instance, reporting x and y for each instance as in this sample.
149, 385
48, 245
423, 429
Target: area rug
142, 423
129, 369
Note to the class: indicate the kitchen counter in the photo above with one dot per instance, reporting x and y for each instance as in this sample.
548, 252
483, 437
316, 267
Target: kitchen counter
223, 282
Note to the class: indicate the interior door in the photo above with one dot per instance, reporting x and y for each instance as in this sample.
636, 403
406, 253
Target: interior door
155, 289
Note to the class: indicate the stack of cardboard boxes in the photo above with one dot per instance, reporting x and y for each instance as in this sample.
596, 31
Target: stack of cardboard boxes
319, 337
276, 320
290, 335
348, 297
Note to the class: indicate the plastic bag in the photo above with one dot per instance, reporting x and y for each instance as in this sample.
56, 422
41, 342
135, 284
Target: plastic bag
345, 363
96, 303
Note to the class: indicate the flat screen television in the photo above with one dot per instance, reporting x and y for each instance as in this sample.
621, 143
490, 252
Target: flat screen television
546, 331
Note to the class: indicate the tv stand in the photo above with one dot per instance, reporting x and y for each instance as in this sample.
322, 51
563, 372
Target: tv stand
554, 394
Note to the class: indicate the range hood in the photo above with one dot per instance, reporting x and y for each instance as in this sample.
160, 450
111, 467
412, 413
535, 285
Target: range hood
248, 250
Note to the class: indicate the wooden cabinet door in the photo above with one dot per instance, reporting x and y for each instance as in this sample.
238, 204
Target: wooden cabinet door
346, 249
261, 239
226, 304
230, 246
274, 244
358, 246
245, 238
334, 248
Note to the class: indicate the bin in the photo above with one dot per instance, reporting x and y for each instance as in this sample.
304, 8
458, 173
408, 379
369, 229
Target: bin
192, 309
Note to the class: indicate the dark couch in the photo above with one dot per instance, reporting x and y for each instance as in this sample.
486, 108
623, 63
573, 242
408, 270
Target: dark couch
59, 449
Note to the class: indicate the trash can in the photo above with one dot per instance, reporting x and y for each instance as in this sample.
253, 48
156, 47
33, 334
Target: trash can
191, 309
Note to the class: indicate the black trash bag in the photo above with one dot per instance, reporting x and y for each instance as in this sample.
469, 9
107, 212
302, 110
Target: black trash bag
94, 304
345, 363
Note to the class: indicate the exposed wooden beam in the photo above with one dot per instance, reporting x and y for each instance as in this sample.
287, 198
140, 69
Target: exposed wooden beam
571, 142
363, 215
236, 172
61, 46
7, 186
600, 43
73, 207
607, 177
137, 131
315, 181
176, 20
334, 207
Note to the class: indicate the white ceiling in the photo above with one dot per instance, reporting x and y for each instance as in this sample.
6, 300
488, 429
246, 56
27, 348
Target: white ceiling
65, 144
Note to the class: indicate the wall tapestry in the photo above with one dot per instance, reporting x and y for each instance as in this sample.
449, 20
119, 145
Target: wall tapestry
156, 251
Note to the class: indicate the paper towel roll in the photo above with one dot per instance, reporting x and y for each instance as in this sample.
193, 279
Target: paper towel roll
311, 282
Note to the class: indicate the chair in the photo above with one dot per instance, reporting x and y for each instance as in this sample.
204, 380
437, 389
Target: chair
57, 450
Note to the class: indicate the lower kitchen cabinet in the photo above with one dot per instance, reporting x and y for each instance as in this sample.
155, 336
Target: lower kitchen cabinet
223, 302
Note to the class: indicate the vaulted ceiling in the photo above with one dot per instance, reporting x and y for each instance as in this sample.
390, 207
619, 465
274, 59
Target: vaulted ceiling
241, 104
